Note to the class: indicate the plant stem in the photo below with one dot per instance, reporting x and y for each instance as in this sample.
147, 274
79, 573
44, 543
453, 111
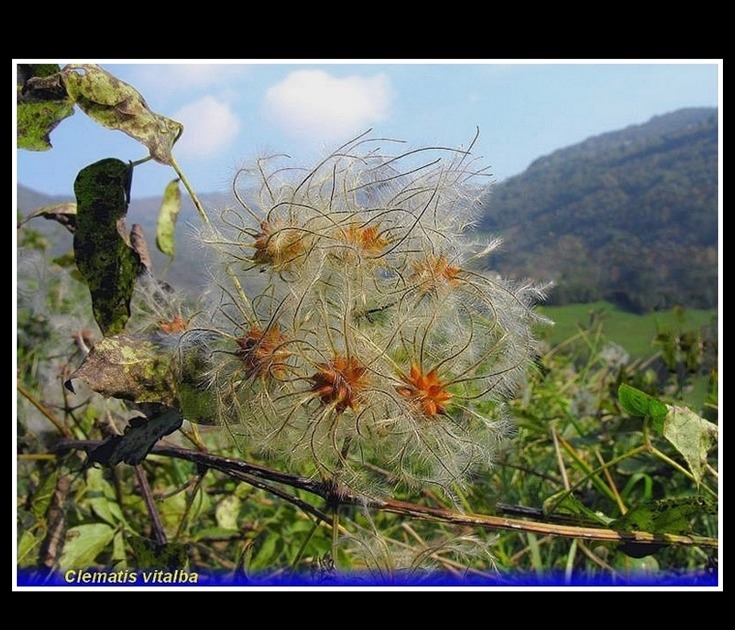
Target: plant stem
46, 413
302, 549
596, 471
663, 457
335, 531
252, 473
150, 503
190, 190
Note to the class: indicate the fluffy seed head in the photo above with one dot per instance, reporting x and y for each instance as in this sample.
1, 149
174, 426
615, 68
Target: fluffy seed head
341, 285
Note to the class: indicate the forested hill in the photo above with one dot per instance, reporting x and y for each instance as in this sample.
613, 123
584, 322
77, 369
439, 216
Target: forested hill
630, 216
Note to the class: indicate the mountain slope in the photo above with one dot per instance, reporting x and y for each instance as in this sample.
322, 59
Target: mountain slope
186, 271
629, 215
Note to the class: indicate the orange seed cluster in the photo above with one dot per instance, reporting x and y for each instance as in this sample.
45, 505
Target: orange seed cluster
426, 390
431, 273
367, 239
176, 325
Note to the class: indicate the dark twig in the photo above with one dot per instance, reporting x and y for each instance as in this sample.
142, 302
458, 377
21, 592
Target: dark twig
150, 503
340, 495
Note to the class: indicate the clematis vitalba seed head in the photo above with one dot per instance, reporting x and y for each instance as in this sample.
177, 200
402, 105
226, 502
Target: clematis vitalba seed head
365, 334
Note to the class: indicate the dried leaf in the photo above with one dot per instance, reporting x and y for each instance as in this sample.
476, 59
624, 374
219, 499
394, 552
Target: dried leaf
139, 438
116, 105
102, 249
64, 213
130, 368
42, 104
146, 369
167, 216
691, 435
140, 245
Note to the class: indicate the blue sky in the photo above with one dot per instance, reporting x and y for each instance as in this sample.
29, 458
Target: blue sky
236, 111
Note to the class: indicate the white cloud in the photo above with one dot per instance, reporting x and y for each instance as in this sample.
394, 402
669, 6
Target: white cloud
316, 105
209, 127
168, 79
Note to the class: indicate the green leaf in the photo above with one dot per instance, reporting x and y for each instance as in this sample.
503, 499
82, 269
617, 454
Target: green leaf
216, 533
114, 104
196, 403
640, 404
102, 248
167, 216
571, 506
691, 435
43, 103
102, 499
84, 543
665, 516
43, 495
148, 555
267, 553
636, 479
100, 506
119, 555
28, 546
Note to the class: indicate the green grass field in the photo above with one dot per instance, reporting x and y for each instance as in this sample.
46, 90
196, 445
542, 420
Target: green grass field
633, 332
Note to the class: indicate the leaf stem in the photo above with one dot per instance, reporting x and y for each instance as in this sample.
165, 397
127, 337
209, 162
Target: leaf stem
190, 190
665, 458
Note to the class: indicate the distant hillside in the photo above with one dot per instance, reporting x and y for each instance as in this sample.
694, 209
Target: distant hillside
629, 216
186, 271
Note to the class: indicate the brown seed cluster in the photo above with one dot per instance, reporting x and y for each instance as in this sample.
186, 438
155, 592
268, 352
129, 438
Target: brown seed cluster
277, 245
340, 382
263, 353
